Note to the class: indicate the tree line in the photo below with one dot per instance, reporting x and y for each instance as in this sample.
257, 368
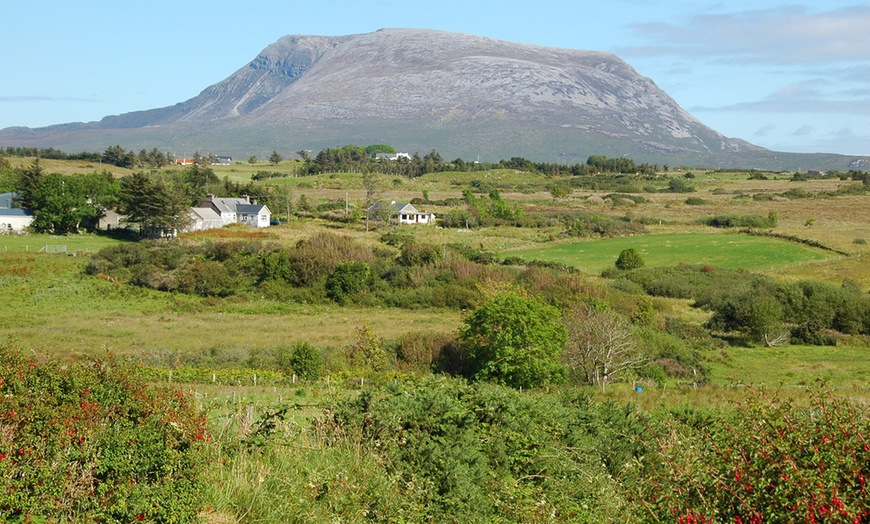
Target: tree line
65, 204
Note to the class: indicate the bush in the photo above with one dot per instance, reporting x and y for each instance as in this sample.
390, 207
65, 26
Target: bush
629, 259
348, 279
696, 201
306, 361
750, 221
93, 443
514, 341
771, 461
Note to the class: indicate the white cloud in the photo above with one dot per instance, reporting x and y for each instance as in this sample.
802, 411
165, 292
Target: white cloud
786, 35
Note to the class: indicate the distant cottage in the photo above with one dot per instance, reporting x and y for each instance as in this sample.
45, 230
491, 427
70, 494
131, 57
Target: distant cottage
388, 156
230, 211
404, 213
13, 218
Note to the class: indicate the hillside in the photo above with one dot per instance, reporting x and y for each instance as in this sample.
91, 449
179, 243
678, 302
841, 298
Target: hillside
419, 90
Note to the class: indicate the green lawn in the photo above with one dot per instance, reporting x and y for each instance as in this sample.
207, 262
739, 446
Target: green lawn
841, 367
73, 243
729, 251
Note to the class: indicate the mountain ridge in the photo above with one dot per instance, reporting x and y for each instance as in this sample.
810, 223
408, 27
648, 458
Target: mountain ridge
418, 89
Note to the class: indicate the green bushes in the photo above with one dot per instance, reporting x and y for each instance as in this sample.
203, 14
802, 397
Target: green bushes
770, 461
759, 307
484, 453
515, 341
348, 279
748, 221
93, 443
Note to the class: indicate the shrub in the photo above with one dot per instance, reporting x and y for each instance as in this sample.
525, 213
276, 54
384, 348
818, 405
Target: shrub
750, 221
629, 259
306, 361
696, 201
348, 279
93, 443
771, 461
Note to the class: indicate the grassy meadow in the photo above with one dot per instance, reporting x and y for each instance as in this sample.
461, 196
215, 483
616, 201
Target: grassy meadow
277, 456
728, 251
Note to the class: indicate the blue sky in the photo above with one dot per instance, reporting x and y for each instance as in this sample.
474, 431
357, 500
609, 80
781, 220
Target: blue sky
789, 76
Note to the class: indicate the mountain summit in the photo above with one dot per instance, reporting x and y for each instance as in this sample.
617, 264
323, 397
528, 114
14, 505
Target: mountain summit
419, 90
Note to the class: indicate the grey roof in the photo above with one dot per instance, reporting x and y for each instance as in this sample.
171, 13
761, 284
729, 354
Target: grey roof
206, 213
251, 209
228, 205
16, 213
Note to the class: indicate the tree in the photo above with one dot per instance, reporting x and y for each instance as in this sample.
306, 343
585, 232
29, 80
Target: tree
28, 183
756, 313
600, 344
252, 159
629, 259
56, 207
151, 203
515, 341
281, 200
275, 158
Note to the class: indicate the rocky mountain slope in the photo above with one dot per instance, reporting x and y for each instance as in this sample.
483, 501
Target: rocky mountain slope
419, 90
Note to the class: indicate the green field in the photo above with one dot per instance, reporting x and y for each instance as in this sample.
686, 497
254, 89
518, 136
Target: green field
844, 368
728, 251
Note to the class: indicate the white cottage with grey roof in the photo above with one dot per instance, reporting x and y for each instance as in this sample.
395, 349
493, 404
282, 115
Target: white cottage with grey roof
240, 211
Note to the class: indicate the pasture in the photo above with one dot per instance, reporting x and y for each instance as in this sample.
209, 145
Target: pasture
728, 250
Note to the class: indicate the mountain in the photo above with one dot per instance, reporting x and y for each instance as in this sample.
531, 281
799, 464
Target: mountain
463, 95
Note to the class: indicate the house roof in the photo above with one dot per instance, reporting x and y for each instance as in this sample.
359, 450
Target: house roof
228, 205
205, 213
16, 213
251, 209
399, 207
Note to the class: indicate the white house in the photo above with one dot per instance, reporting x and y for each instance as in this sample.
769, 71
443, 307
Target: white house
12, 218
406, 213
394, 158
240, 211
202, 218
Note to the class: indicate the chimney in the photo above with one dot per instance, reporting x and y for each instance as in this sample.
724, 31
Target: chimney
247, 198
209, 197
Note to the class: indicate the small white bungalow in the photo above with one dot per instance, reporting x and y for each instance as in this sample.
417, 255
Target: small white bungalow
405, 213
13, 218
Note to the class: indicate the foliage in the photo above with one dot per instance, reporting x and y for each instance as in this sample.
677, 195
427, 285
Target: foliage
586, 224
485, 453
629, 259
152, 204
749, 221
347, 280
368, 351
306, 361
770, 461
515, 341
93, 443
